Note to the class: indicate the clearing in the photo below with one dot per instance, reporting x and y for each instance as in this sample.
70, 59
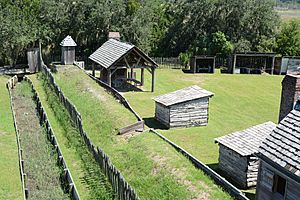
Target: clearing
152, 167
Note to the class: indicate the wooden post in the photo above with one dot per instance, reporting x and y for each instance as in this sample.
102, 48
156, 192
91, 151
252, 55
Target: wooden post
273, 65
131, 73
109, 77
93, 68
234, 63
142, 76
153, 78
214, 65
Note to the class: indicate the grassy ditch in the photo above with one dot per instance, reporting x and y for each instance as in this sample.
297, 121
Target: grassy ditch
90, 182
10, 187
40, 160
152, 167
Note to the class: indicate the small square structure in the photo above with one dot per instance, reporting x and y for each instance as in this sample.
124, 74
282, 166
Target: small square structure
183, 108
68, 51
202, 64
237, 159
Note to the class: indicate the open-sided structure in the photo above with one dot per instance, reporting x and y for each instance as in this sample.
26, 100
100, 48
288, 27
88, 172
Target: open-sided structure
183, 108
202, 64
253, 63
237, 159
114, 58
279, 171
68, 50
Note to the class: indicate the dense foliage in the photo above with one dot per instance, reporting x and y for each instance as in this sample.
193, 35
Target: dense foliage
159, 27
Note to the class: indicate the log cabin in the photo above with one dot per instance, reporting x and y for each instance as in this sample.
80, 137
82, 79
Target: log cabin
183, 108
237, 159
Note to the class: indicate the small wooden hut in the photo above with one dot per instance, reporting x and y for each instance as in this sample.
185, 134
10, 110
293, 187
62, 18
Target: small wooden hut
114, 58
183, 108
68, 50
279, 171
33, 58
202, 64
237, 159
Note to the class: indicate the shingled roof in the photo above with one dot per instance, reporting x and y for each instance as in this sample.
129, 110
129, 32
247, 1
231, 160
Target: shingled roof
282, 146
112, 51
183, 95
68, 42
247, 142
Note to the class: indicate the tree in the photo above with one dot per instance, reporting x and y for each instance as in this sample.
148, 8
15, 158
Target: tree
220, 44
20, 27
288, 40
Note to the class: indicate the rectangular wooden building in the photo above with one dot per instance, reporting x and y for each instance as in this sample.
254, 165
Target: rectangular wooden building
279, 171
183, 108
237, 159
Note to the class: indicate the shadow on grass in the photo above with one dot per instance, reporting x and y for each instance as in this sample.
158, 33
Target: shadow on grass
250, 195
151, 122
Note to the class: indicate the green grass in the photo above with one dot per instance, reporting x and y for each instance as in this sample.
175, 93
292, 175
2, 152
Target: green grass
152, 167
240, 101
89, 181
40, 159
10, 180
287, 15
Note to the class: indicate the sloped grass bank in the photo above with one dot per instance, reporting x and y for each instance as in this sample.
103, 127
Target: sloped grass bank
42, 172
152, 167
89, 180
10, 187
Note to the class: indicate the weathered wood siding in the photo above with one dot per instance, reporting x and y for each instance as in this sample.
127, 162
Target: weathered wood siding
68, 55
162, 114
242, 170
233, 166
264, 189
33, 58
191, 113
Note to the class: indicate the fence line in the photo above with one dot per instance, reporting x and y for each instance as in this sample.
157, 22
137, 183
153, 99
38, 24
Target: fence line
10, 85
52, 138
119, 184
208, 171
169, 63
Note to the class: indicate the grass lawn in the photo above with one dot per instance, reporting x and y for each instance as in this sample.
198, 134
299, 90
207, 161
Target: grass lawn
10, 180
89, 181
287, 15
151, 166
240, 101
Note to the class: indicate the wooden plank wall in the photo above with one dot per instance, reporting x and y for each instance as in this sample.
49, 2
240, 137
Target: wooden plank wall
118, 182
264, 189
162, 114
188, 114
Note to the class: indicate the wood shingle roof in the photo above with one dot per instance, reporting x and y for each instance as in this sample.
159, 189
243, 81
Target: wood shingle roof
247, 142
68, 42
282, 146
183, 95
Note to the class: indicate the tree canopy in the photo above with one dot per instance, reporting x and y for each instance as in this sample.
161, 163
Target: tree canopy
159, 27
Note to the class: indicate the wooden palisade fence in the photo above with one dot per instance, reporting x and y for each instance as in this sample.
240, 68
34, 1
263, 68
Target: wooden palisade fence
119, 184
51, 137
10, 85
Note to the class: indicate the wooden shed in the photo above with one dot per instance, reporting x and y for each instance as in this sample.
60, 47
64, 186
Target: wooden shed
202, 64
183, 108
237, 159
279, 171
68, 51
33, 58
114, 58
253, 63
